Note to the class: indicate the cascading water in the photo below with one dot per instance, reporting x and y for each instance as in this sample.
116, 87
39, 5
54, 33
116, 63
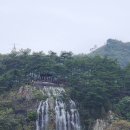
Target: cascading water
42, 111
57, 113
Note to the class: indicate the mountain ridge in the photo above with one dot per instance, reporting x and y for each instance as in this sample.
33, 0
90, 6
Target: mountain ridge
114, 49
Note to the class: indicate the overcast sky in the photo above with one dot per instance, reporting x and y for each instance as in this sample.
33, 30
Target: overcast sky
71, 25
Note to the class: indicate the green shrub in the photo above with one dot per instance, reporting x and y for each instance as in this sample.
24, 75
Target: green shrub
32, 116
39, 96
124, 107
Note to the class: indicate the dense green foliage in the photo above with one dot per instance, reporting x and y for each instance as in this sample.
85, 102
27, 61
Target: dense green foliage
124, 107
96, 84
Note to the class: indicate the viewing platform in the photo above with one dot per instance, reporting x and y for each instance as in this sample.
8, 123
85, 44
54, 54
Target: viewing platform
42, 84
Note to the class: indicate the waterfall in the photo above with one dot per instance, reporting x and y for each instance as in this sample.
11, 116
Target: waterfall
42, 113
56, 112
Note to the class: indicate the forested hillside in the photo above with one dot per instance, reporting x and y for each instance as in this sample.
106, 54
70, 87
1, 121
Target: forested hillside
115, 49
97, 84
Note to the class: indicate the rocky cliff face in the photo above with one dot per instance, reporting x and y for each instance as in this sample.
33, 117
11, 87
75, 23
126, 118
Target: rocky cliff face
111, 122
104, 124
39, 108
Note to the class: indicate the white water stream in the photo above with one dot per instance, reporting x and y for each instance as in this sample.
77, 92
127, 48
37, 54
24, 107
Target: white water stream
66, 116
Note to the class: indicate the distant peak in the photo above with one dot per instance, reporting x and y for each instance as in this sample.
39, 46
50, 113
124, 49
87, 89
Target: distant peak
114, 41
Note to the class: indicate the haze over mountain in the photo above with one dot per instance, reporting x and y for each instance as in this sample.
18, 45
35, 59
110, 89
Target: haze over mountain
62, 25
115, 49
